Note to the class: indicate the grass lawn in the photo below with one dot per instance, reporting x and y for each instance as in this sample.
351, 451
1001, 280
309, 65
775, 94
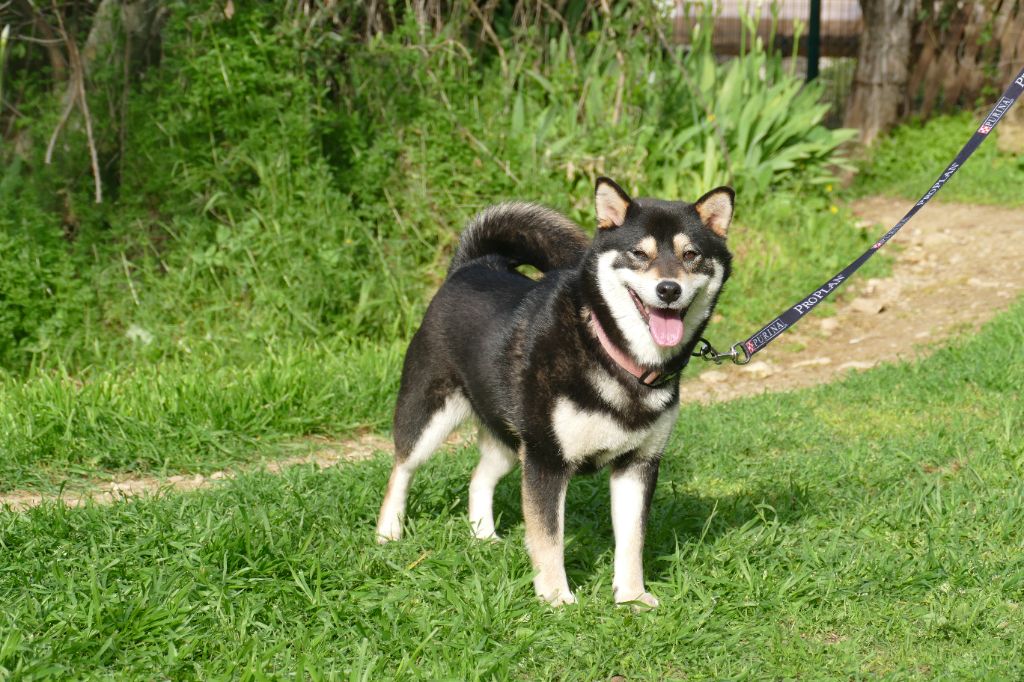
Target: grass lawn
908, 160
870, 528
194, 415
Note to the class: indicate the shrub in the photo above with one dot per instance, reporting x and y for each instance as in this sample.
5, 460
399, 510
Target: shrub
282, 179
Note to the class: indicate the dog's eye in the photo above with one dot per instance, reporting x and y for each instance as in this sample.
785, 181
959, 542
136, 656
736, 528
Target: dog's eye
639, 254
690, 256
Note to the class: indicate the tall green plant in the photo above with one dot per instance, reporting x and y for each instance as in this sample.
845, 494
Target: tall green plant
618, 102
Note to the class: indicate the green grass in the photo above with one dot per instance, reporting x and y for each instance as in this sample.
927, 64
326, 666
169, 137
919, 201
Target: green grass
865, 529
195, 415
907, 161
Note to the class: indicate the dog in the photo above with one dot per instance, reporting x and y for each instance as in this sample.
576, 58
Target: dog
565, 374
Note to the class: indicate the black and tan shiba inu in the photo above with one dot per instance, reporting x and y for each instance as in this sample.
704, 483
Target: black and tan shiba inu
572, 372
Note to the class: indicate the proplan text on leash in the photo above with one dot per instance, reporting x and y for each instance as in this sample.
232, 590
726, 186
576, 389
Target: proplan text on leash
568, 373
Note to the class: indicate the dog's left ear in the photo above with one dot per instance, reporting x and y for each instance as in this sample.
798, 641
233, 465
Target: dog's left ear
715, 209
612, 203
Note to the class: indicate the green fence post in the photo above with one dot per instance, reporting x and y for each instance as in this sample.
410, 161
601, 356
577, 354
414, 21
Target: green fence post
814, 40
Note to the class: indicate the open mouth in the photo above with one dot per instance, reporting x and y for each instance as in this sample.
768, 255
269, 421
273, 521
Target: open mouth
665, 324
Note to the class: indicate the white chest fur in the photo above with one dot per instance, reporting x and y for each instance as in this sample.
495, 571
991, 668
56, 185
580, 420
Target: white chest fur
596, 435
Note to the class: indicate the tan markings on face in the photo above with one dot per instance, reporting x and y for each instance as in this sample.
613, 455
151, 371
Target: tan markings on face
649, 246
680, 244
654, 272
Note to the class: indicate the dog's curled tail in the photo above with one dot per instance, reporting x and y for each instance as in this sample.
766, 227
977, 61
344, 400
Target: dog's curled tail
519, 233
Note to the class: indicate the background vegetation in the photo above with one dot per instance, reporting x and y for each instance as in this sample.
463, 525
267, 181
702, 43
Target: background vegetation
282, 192
912, 156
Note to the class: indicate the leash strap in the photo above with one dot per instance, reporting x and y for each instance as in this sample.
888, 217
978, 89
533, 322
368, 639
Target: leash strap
742, 352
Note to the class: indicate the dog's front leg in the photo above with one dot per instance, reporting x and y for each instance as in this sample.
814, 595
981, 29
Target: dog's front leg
545, 480
632, 486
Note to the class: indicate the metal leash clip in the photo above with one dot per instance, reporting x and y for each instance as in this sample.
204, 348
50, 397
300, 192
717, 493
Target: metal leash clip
738, 354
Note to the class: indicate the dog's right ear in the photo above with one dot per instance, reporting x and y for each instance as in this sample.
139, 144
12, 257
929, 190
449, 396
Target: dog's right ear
612, 203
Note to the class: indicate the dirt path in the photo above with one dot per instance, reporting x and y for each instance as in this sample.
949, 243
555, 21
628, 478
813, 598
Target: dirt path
325, 453
959, 266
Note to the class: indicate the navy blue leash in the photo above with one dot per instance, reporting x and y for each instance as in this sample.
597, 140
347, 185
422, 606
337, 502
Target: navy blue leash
741, 352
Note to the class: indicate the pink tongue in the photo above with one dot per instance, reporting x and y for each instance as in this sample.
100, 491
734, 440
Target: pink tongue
666, 326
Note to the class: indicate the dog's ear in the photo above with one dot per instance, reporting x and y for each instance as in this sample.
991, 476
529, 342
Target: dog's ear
715, 209
612, 203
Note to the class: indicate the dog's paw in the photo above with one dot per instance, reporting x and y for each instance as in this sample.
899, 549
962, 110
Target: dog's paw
559, 598
490, 537
644, 601
389, 532
553, 588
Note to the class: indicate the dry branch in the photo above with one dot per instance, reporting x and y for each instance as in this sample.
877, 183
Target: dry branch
48, 40
489, 32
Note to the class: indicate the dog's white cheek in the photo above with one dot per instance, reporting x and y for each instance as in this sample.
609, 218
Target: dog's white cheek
645, 287
613, 290
700, 309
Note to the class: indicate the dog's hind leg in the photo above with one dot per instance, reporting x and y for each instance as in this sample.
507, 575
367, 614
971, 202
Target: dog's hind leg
423, 419
496, 460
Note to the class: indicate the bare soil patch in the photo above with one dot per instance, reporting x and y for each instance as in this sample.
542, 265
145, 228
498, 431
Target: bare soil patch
326, 453
957, 266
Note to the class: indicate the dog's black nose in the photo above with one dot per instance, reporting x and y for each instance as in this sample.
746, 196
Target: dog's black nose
668, 291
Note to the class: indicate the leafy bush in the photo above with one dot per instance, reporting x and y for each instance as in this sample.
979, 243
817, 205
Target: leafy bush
283, 183
41, 301
287, 194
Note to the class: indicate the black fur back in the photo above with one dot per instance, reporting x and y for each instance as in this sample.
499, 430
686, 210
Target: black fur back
521, 232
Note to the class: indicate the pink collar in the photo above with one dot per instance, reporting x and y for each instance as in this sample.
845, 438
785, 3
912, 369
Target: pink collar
647, 377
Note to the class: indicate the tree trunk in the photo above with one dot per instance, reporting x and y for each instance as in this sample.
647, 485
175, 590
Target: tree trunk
883, 66
142, 22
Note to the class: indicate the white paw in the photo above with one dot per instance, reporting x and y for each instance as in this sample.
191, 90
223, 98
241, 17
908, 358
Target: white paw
559, 598
492, 536
484, 529
386, 532
554, 592
641, 602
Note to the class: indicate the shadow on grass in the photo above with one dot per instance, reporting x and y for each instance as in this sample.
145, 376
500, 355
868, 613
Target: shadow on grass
678, 519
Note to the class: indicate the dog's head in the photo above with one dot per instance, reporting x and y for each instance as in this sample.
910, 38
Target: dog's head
660, 265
